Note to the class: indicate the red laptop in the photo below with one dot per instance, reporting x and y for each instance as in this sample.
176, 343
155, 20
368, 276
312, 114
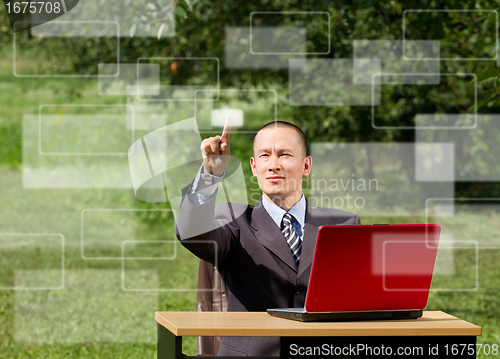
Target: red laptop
367, 272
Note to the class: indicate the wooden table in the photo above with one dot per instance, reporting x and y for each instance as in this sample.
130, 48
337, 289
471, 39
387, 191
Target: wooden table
433, 328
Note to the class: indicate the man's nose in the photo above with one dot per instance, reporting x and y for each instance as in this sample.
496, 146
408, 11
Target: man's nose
274, 164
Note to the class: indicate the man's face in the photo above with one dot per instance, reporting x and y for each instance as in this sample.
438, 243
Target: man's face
279, 163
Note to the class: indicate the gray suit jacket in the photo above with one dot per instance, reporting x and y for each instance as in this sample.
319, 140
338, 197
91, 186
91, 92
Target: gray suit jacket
254, 259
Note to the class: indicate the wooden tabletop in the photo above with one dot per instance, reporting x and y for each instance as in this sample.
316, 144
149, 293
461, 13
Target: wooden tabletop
262, 324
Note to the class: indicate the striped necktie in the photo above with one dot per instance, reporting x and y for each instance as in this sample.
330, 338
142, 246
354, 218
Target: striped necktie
292, 237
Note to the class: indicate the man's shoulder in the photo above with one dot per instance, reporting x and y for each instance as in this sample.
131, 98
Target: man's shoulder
232, 210
331, 211
332, 215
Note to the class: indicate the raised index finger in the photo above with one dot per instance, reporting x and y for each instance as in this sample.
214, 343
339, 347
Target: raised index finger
226, 132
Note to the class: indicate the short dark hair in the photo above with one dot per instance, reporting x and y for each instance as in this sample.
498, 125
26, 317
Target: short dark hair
302, 136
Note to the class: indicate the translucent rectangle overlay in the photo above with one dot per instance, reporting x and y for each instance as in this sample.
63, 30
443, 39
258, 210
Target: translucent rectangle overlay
18, 249
463, 121
152, 115
287, 32
150, 250
52, 66
76, 171
485, 29
467, 219
103, 231
250, 109
390, 54
205, 76
364, 69
463, 275
406, 258
232, 189
67, 130
41, 279
170, 147
476, 149
136, 19
174, 278
73, 29
237, 53
114, 78
465, 266
435, 162
92, 299
218, 117
445, 120
164, 145
361, 178
278, 40
330, 82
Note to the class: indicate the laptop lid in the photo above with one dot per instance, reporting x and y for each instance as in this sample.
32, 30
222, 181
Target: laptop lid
372, 267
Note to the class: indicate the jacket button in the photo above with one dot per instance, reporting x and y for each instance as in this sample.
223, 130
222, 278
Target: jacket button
299, 290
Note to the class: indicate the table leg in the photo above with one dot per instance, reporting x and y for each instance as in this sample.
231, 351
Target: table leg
169, 345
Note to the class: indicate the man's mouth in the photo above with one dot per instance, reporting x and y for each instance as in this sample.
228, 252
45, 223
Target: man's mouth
274, 178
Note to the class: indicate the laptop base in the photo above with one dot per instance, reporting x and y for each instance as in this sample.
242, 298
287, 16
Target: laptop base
300, 314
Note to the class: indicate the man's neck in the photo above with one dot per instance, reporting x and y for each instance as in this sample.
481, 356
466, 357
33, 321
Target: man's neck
284, 203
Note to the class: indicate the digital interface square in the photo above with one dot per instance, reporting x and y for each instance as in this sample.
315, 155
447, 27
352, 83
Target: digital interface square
361, 177
237, 53
287, 32
85, 130
390, 54
68, 171
103, 231
466, 219
92, 298
476, 151
461, 119
329, 82
482, 35
165, 259
20, 270
204, 73
58, 33
251, 109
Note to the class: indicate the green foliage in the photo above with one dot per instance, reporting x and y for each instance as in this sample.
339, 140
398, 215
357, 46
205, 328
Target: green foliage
10, 146
200, 32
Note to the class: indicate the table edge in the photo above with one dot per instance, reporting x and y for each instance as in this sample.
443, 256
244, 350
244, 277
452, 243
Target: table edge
473, 330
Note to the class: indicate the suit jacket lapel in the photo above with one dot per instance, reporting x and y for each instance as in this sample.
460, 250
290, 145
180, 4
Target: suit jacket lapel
310, 235
268, 233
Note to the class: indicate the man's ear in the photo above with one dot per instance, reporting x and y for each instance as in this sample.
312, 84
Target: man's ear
307, 166
252, 166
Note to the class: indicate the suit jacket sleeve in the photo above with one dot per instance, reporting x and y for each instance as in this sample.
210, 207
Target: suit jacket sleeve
207, 232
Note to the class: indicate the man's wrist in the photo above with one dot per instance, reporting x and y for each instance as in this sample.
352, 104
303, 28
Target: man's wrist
206, 171
210, 178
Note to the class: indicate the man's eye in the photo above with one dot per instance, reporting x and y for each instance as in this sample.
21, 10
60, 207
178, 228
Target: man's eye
264, 155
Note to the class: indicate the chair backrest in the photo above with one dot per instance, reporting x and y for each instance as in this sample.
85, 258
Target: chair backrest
211, 297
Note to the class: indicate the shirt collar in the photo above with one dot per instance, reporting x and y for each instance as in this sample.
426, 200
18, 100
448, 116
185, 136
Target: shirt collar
298, 211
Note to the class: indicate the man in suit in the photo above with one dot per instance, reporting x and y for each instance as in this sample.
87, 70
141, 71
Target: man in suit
265, 254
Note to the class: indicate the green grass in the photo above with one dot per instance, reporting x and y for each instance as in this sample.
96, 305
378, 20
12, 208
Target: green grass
91, 316
86, 318
455, 292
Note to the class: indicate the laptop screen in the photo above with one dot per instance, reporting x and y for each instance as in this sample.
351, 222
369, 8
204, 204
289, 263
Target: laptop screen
372, 267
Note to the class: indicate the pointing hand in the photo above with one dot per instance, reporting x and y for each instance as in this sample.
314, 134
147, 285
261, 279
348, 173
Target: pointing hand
216, 151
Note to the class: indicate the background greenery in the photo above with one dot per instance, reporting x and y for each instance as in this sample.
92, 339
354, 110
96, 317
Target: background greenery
200, 33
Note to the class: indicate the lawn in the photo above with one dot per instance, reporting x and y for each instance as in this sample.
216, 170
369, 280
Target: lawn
89, 303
